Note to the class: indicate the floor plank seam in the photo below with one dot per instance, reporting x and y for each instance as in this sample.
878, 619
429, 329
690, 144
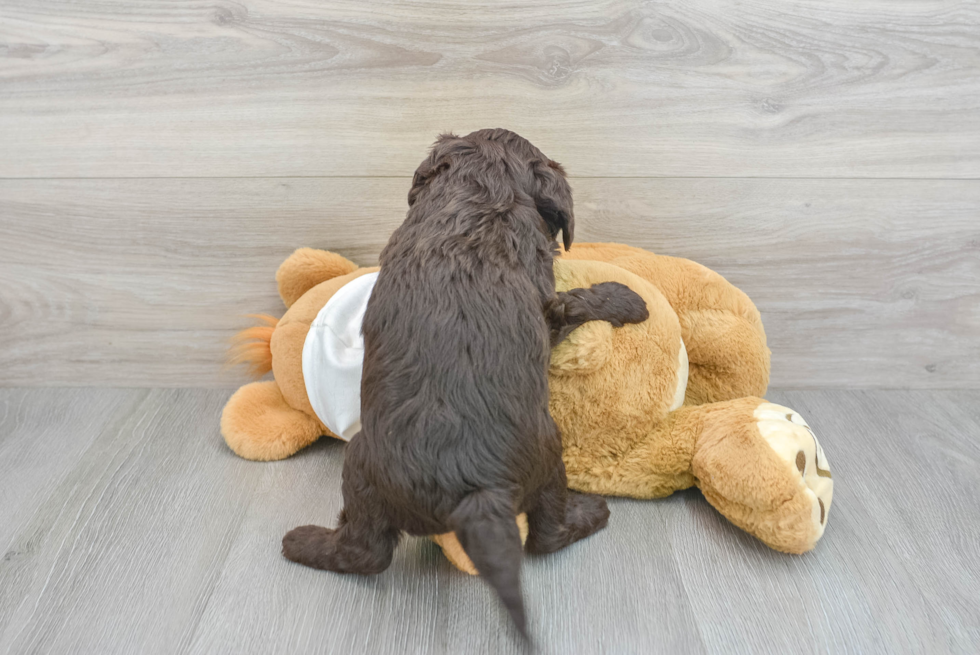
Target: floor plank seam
188, 645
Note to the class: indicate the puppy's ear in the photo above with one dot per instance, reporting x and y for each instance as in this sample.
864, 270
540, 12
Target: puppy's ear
445, 147
423, 175
553, 198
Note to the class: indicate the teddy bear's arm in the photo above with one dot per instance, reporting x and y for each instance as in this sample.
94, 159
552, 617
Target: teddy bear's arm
607, 301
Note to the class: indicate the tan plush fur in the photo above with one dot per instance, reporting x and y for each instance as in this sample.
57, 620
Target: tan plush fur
611, 393
719, 323
761, 498
306, 268
251, 346
259, 424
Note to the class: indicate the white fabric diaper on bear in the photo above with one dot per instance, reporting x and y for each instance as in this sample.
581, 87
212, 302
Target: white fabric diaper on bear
333, 356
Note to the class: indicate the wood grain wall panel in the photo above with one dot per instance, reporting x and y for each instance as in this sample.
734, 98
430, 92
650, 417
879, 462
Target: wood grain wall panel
861, 283
611, 88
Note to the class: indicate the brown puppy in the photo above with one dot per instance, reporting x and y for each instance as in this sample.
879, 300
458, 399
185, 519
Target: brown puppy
455, 433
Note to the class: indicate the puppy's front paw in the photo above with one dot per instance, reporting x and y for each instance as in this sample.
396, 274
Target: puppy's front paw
618, 304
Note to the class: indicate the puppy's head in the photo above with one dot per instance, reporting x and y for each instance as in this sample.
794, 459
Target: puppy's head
501, 156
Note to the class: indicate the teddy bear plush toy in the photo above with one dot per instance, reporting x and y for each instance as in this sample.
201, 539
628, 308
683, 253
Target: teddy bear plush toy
644, 410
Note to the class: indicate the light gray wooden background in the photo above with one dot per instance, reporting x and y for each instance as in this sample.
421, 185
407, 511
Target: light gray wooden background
160, 158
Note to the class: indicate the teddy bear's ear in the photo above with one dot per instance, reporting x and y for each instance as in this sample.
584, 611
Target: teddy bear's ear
306, 268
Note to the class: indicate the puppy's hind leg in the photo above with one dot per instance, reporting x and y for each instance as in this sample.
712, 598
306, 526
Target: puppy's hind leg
364, 540
561, 517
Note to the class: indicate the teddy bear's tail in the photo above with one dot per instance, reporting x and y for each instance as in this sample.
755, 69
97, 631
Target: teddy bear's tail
252, 346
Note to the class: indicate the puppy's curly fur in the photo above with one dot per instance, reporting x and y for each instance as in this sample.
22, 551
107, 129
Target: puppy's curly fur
456, 433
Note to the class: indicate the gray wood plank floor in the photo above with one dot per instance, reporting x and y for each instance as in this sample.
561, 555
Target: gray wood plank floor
126, 526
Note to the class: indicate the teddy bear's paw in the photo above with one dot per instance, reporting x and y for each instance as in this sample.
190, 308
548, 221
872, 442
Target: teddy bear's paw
794, 442
258, 424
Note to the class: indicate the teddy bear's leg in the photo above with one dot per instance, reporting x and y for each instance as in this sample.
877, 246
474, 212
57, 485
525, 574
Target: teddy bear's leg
761, 466
653, 467
258, 424
306, 268
728, 356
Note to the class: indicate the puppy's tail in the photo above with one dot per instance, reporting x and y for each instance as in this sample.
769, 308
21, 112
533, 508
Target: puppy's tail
253, 346
484, 524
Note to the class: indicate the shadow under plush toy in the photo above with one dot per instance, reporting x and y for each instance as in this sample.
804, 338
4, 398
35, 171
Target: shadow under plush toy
644, 410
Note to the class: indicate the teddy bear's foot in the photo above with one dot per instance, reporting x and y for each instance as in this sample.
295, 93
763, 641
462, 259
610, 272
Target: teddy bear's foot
767, 473
258, 424
794, 442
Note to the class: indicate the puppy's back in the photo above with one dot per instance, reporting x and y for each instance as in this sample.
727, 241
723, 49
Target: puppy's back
455, 385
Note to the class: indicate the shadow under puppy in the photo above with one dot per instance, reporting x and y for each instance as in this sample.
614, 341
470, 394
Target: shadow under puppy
455, 429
